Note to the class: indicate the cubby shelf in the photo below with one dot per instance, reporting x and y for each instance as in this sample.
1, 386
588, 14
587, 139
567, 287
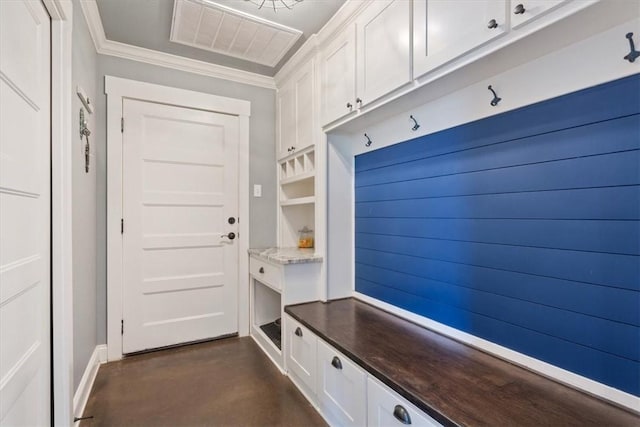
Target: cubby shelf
298, 201
297, 178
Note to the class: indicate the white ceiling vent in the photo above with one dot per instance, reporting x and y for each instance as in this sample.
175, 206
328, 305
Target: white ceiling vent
210, 26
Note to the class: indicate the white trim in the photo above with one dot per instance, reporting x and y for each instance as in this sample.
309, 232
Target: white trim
61, 12
81, 396
117, 89
105, 46
571, 379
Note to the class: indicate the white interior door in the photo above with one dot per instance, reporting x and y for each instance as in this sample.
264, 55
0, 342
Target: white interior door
180, 187
25, 214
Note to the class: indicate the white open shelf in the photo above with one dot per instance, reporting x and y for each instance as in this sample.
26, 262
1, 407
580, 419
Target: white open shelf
298, 201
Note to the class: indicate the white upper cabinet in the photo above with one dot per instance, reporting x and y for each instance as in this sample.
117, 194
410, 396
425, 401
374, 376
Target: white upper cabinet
296, 111
383, 34
524, 11
338, 62
379, 62
444, 30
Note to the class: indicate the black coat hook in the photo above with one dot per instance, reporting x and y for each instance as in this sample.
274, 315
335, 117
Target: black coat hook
495, 99
416, 126
633, 54
368, 143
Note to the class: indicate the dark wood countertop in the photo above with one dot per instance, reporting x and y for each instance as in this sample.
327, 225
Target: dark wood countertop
451, 381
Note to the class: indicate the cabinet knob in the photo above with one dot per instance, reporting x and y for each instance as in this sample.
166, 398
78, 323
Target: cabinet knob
401, 414
519, 10
261, 270
358, 101
336, 363
298, 332
492, 24
349, 105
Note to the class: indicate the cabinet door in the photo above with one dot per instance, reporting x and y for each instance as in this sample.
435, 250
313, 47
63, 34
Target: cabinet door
524, 11
383, 34
339, 76
385, 408
446, 29
296, 111
286, 119
304, 83
342, 388
301, 353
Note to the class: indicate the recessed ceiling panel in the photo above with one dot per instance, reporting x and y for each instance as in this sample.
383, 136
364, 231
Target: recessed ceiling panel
210, 26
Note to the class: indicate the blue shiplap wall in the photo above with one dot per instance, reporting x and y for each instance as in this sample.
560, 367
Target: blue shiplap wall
522, 228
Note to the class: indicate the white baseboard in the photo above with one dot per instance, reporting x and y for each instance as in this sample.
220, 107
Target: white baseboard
594, 388
81, 395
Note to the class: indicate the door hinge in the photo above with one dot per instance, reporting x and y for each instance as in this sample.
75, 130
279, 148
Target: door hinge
122, 327
122, 124
121, 225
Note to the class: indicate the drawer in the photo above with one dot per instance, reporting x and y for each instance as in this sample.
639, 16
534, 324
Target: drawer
301, 350
267, 273
386, 408
341, 388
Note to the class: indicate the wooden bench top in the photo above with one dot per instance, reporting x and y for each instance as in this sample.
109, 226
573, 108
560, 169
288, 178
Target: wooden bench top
454, 383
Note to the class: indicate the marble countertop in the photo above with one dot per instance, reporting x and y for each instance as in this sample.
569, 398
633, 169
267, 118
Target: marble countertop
286, 255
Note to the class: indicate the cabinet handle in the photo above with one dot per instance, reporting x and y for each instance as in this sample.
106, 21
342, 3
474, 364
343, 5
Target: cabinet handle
519, 10
492, 24
336, 363
261, 270
349, 105
401, 414
298, 332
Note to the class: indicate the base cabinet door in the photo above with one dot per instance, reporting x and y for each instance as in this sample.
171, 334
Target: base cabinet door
342, 388
385, 408
444, 30
301, 352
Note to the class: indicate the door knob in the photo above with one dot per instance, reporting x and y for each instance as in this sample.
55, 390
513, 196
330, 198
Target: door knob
229, 236
298, 332
519, 10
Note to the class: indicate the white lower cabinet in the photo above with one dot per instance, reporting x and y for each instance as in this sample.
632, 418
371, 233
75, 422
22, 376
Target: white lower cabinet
386, 408
343, 392
342, 388
302, 347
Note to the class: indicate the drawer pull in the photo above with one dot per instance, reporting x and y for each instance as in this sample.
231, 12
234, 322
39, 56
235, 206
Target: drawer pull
336, 363
298, 332
261, 270
401, 415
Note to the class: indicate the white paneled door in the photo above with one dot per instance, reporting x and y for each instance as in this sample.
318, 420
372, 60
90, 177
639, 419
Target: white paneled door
25, 214
180, 228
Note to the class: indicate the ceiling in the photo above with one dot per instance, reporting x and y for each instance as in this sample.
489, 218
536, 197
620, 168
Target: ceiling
147, 23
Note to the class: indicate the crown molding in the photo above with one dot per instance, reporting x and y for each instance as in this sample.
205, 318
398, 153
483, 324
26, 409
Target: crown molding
105, 46
306, 51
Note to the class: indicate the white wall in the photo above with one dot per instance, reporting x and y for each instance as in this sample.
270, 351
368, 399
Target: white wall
262, 161
84, 73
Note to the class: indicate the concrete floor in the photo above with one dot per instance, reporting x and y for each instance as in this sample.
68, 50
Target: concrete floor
229, 382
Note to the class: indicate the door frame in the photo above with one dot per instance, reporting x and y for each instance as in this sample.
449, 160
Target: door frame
117, 90
61, 13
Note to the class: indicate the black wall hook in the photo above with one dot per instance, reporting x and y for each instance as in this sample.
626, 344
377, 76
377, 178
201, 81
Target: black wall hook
368, 143
633, 54
495, 99
416, 126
